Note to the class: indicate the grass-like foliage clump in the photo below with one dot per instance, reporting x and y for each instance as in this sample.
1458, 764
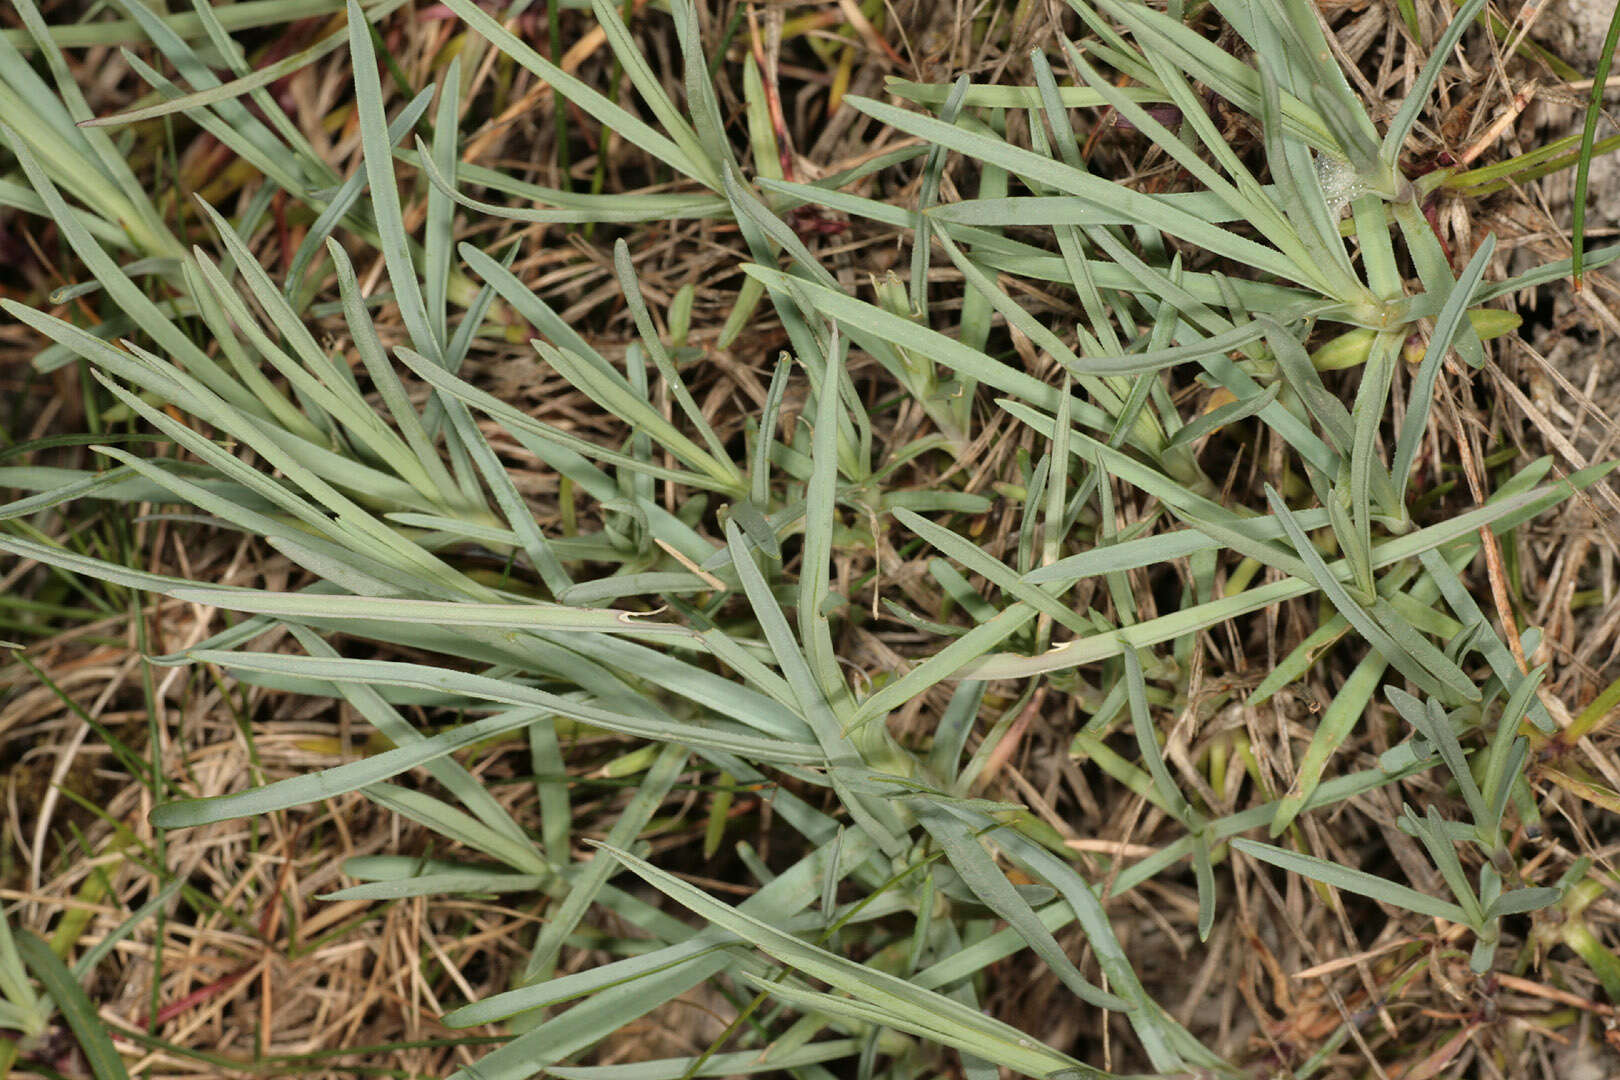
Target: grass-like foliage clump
825, 624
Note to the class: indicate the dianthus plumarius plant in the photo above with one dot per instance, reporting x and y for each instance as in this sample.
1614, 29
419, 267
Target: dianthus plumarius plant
691, 608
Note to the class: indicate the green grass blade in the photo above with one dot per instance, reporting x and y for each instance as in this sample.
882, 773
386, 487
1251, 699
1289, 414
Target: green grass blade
969, 1029
927, 195
516, 511
458, 826
968, 858
595, 104
485, 688
1406, 118
631, 288
439, 241
708, 119
1141, 209
76, 1009
520, 424
632, 819
1430, 721
1337, 721
1148, 741
224, 91
1376, 636
996, 572
1523, 901
628, 52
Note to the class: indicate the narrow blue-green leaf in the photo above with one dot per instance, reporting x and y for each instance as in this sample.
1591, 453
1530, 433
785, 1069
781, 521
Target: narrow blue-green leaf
1433, 266
1520, 901
1148, 740
393, 673
1207, 62
1143, 209
931, 1012
379, 161
1338, 720
628, 51
440, 884
458, 826
1439, 838
1324, 579
976, 560
954, 660
1352, 880
1177, 624
344, 199
702, 102
927, 194
597, 105
779, 901
738, 1063
1418, 94
339, 780
630, 286
394, 396
1306, 381
507, 497
129, 297
1495, 650
1430, 721
521, 424
439, 242
1372, 399
1230, 413
380, 714
224, 91
1446, 326
1504, 757
631, 820
1204, 873
815, 571
969, 859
